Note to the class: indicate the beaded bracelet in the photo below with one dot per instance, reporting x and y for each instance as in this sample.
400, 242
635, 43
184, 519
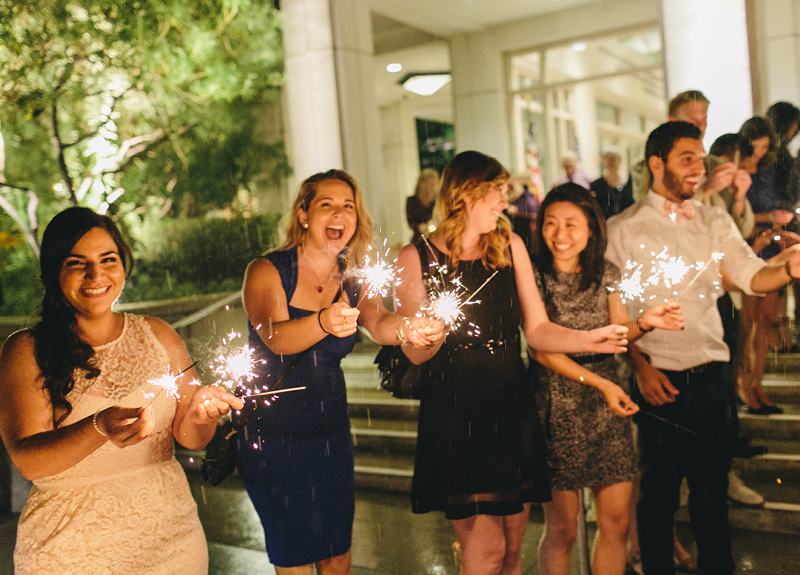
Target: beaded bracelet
641, 329
319, 320
94, 421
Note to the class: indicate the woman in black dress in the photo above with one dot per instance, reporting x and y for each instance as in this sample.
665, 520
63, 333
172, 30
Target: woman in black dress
480, 452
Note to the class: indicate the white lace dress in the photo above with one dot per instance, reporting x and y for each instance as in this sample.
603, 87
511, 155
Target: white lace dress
126, 511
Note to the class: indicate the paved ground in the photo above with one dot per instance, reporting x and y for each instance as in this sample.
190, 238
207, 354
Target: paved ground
389, 540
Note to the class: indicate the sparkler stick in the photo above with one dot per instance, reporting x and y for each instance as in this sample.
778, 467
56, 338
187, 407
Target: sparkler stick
376, 278
168, 383
287, 390
667, 421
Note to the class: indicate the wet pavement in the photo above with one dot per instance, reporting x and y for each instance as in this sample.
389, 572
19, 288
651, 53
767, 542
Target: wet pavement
390, 540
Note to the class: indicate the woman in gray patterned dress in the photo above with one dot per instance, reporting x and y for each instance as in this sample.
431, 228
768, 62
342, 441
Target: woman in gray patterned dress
585, 405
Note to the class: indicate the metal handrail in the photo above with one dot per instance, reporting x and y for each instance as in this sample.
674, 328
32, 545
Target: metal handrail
207, 311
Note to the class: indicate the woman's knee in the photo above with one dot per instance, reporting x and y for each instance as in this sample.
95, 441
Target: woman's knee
339, 565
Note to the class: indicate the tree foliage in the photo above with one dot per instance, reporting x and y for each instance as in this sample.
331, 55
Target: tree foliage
97, 95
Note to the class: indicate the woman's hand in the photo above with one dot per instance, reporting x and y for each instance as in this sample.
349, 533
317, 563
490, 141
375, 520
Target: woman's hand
126, 426
781, 217
665, 316
422, 332
211, 402
609, 339
618, 401
339, 319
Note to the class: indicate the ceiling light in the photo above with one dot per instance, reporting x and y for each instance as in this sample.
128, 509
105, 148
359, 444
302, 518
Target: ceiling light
579, 47
394, 68
425, 83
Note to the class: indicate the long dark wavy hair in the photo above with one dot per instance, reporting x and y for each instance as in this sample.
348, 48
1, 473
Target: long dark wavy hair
592, 259
58, 347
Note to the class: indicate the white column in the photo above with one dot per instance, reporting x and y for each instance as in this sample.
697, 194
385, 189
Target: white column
584, 110
330, 93
706, 48
401, 167
779, 30
480, 96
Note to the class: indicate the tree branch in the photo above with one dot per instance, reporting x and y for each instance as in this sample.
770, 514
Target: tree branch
96, 131
62, 162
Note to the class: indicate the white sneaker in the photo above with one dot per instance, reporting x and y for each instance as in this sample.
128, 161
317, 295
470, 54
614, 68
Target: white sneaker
741, 493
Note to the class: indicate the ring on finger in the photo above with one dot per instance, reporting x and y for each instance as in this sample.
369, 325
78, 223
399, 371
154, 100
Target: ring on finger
345, 323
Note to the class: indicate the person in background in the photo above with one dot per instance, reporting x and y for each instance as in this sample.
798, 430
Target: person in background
295, 457
419, 207
82, 420
480, 452
522, 209
759, 313
572, 171
612, 194
785, 117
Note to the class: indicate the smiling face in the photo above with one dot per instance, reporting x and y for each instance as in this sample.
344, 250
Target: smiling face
760, 149
483, 214
566, 234
330, 220
92, 275
683, 171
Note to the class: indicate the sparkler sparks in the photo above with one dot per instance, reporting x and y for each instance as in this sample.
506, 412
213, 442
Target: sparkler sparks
666, 269
168, 384
377, 278
236, 368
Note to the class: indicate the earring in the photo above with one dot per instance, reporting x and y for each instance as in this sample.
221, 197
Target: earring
305, 225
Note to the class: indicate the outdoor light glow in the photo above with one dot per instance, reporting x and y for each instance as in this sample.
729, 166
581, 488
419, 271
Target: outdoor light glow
394, 68
425, 84
579, 47
58, 187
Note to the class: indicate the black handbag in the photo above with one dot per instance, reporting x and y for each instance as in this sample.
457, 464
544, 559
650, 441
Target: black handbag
399, 376
220, 458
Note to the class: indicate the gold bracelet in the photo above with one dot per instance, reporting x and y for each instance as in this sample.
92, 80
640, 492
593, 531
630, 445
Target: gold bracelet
639, 325
399, 333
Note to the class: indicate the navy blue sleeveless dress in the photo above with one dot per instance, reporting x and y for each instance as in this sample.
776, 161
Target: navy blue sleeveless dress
295, 456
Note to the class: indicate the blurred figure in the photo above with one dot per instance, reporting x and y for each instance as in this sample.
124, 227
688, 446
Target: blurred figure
572, 172
522, 208
758, 144
785, 118
419, 207
609, 190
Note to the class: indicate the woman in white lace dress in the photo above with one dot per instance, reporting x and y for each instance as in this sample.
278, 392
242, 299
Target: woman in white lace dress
108, 494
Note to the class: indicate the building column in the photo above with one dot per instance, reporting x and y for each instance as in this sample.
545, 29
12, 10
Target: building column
480, 96
706, 48
401, 167
332, 114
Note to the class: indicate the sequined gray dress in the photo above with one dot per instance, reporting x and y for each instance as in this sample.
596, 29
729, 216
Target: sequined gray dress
588, 445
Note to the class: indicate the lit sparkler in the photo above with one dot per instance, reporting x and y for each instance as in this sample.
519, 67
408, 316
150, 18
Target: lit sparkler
701, 267
168, 384
236, 368
377, 278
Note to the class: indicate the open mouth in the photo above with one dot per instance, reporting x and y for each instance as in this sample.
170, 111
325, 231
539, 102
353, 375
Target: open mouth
334, 232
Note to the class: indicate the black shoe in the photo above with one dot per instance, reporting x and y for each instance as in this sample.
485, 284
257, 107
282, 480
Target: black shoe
765, 410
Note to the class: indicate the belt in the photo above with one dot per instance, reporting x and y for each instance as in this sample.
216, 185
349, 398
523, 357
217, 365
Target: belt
587, 359
703, 367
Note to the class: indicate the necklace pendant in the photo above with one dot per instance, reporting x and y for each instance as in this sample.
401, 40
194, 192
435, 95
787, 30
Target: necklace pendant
319, 289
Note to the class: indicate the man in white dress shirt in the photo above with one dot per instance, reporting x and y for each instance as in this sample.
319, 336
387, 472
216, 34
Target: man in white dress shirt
686, 426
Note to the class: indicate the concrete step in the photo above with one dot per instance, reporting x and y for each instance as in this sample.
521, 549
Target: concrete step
385, 407
770, 427
389, 472
779, 468
782, 390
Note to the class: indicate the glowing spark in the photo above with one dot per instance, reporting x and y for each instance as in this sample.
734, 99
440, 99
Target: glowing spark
376, 278
168, 384
236, 368
446, 306
715, 257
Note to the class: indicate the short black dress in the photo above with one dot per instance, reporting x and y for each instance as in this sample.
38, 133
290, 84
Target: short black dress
480, 448
588, 445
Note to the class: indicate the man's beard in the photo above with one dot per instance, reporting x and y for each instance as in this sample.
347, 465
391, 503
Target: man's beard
675, 185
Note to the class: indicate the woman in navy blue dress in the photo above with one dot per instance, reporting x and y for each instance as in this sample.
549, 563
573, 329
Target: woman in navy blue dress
296, 455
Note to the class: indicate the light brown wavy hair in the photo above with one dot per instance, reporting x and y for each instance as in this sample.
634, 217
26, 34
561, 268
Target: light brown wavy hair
358, 246
467, 178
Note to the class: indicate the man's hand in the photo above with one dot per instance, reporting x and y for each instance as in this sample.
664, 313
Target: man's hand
655, 387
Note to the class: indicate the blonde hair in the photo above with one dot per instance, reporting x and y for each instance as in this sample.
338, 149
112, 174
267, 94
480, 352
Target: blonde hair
468, 177
359, 244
